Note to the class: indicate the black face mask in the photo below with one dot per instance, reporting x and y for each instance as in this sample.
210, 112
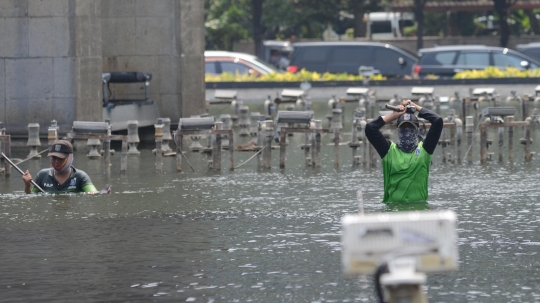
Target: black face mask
407, 139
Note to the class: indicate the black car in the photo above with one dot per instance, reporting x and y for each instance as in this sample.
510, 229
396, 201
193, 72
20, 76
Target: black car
530, 49
446, 61
348, 57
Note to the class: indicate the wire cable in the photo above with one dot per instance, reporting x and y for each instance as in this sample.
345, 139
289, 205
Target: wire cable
251, 157
474, 135
32, 156
180, 151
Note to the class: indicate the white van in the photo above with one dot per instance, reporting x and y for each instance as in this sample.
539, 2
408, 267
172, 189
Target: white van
387, 25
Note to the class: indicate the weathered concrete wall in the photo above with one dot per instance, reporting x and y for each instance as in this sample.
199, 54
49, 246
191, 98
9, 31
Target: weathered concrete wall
161, 38
51, 62
53, 53
190, 44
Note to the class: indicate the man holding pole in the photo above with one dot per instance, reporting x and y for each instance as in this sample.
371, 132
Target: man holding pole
62, 177
405, 163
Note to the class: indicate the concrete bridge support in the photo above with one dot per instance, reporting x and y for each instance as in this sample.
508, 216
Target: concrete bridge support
53, 53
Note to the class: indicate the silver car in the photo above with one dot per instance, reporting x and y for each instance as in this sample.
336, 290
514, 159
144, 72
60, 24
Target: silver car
218, 62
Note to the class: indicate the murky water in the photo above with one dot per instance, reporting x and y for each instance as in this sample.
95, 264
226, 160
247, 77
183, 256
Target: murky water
254, 236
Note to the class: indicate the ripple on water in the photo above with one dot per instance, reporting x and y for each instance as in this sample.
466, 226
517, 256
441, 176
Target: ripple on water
250, 236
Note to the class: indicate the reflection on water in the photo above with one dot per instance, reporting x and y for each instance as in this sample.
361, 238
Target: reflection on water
249, 236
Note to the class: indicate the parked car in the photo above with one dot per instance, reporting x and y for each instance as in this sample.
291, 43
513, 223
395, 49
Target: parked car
531, 49
218, 62
446, 61
348, 57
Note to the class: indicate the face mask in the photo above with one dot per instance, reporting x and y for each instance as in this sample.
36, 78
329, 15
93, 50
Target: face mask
407, 139
67, 165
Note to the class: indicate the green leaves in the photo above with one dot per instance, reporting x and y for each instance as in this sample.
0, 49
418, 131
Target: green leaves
225, 24
228, 21
494, 72
300, 76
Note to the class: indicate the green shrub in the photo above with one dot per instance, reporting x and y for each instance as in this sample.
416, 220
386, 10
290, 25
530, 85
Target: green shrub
300, 76
303, 75
494, 72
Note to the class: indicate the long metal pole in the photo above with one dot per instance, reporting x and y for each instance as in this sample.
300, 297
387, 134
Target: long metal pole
22, 173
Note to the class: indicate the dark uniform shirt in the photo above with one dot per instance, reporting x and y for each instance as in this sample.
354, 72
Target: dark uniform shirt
78, 181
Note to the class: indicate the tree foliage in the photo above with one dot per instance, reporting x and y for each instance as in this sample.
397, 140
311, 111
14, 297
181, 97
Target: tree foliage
231, 20
228, 21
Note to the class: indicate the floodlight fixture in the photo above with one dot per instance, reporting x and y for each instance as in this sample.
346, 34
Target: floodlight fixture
483, 91
429, 238
418, 90
302, 117
499, 111
196, 123
292, 93
225, 94
357, 91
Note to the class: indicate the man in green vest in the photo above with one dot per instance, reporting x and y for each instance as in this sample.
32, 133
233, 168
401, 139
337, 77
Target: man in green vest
406, 163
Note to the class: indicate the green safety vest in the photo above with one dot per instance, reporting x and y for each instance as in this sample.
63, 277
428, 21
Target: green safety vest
406, 174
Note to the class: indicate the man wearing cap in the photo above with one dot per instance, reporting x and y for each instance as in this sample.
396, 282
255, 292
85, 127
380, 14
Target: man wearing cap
62, 176
405, 163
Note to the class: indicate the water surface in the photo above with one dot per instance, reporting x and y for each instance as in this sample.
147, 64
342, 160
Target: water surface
254, 236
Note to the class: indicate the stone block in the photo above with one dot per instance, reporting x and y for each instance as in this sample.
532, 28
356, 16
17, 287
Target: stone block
88, 8
49, 8
192, 104
192, 71
190, 41
118, 8
119, 37
169, 107
41, 111
191, 12
144, 64
65, 75
155, 36
169, 71
162, 8
88, 37
49, 37
30, 78
14, 33
63, 111
13, 8
88, 103
193, 86
3, 112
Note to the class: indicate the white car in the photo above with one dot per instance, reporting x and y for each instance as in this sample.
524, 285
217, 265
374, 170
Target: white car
218, 62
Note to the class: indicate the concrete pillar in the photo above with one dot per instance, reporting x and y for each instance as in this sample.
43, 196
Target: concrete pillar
86, 34
164, 38
189, 28
51, 62
53, 53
